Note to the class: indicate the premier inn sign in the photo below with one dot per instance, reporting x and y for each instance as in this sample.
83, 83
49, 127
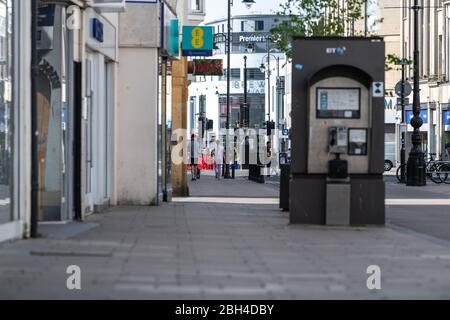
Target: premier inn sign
246, 37
253, 38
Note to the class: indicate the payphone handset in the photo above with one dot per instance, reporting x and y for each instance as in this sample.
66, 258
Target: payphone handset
338, 140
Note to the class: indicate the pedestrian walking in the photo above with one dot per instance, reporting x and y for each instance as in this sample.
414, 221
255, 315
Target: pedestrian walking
217, 154
193, 150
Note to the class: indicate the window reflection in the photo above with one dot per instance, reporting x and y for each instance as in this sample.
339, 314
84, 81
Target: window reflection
5, 110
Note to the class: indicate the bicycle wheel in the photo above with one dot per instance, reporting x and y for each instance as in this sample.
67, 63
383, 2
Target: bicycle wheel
434, 174
444, 173
399, 173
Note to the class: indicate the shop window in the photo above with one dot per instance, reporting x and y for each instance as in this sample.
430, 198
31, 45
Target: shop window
255, 74
235, 74
202, 105
197, 6
446, 152
259, 25
6, 111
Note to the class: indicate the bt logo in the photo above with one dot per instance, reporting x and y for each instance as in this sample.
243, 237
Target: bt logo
339, 51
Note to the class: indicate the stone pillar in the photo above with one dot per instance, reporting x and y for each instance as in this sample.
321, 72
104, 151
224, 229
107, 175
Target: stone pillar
180, 95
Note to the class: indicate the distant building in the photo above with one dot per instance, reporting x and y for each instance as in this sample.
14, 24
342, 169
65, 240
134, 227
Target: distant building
434, 22
383, 18
208, 95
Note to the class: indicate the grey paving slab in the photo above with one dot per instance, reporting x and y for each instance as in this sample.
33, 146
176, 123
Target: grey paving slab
219, 251
208, 186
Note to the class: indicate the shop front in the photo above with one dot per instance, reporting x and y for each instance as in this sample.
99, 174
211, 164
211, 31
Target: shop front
426, 131
98, 110
55, 114
446, 132
14, 123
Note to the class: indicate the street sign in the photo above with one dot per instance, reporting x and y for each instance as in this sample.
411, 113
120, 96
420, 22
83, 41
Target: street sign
403, 62
197, 41
378, 90
208, 67
406, 90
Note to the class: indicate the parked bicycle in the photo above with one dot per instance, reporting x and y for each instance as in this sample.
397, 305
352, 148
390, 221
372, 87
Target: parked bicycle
437, 171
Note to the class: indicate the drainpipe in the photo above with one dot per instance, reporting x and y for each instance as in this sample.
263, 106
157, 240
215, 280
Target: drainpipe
34, 125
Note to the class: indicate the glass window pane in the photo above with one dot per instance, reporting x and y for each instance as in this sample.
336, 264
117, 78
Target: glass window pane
6, 134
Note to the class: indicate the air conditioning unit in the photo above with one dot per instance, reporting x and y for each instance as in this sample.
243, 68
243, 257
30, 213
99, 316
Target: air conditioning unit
108, 5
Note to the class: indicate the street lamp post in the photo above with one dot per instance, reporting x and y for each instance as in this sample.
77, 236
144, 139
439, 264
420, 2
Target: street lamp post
416, 168
227, 125
248, 4
245, 88
403, 134
269, 74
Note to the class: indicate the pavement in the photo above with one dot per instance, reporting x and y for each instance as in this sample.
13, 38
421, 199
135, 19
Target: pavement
431, 219
211, 248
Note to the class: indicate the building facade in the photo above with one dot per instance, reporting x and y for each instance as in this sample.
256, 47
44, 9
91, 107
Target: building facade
434, 22
146, 94
76, 102
103, 89
383, 18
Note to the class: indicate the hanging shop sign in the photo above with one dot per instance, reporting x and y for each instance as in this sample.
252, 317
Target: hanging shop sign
198, 41
97, 30
446, 116
170, 35
208, 67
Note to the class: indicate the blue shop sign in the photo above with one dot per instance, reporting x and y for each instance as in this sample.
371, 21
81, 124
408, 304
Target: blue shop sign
97, 30
446, 117
423, 115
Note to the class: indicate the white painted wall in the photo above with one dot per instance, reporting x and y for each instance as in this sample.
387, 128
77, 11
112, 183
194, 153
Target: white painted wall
136, 140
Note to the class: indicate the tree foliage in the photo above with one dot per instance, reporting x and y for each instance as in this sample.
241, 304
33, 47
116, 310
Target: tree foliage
314, 18
394, 62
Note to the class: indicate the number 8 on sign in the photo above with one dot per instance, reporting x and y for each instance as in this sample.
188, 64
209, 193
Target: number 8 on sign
197, 38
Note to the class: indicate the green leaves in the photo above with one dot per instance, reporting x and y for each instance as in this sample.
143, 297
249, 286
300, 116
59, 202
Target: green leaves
314, 18
394, 62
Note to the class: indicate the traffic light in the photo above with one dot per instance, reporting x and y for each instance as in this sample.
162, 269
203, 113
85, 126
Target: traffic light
209, 125
270, 125
244, 120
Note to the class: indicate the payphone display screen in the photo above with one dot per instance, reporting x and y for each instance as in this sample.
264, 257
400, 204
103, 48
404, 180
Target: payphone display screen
339, 103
